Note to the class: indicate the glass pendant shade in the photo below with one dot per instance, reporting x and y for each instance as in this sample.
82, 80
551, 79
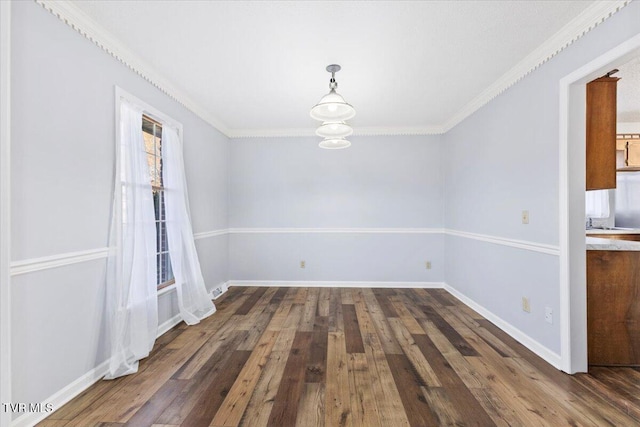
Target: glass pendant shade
334, 143
332, 108
334, 130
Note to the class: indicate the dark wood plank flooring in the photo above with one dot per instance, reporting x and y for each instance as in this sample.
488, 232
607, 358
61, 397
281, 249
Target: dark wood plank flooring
350, 357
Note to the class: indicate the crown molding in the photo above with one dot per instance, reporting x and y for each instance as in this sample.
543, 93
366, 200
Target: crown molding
359, 131
400, 130
271, 133
68, 13
591, 17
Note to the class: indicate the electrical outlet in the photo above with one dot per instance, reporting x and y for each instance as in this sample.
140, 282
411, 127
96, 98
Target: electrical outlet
427, 265
525, 305
303, 264
525, 217
548, 315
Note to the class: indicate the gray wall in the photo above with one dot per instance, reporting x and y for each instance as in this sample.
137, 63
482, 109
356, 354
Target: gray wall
379, 182
505, 159
62, 183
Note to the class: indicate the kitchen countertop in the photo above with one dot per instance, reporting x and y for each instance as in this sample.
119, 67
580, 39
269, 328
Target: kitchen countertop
598, 244
613, 231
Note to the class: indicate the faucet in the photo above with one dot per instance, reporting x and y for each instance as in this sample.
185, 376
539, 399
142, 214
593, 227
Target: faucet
589, 224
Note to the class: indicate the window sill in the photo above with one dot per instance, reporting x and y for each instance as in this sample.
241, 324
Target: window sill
166, 289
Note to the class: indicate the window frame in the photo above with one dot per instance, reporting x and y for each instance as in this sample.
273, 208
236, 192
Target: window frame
157, 116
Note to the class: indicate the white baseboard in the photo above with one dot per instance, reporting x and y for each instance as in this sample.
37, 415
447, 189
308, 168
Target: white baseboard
63, 396
81, 384
168, 324
550, 356
336, 284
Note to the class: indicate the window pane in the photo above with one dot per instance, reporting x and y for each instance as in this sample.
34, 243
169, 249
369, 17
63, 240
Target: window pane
158, 237
158, 269
164, 245
162, 212
169, 268
152, 134
156, 204
149, 143
165, 268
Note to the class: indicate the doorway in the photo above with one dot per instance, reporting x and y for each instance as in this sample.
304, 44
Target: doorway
573, 295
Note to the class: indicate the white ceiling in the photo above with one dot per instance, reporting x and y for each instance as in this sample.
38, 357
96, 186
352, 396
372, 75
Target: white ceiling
629, 92
258, 67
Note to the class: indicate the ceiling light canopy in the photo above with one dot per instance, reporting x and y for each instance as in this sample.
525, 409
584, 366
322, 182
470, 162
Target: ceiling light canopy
333, 110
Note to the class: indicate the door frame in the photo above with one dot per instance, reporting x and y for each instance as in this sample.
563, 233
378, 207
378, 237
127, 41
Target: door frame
573, 281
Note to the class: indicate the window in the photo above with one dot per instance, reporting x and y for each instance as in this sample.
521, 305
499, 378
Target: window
152, 134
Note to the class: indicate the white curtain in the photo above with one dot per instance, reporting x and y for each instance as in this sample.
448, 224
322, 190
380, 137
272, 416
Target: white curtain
597, 204
193, 300
132, 306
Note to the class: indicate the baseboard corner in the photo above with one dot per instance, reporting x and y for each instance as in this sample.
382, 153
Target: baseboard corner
542, 351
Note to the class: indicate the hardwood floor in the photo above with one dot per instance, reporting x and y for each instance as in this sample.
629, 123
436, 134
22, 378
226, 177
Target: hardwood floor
350, 357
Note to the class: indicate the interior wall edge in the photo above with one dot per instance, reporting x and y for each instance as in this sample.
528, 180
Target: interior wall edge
5, 208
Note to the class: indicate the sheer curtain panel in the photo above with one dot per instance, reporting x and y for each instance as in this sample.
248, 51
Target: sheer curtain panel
132, 305
193, 299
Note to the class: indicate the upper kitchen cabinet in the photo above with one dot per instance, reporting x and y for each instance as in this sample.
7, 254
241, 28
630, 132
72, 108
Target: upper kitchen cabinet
601, 133
628, 147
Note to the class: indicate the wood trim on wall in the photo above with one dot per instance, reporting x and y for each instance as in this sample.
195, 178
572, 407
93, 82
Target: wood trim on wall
54, 261
43, 263
504, 241
213, 233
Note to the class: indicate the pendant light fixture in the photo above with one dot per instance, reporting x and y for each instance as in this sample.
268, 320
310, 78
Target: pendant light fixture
332, 111
334, 143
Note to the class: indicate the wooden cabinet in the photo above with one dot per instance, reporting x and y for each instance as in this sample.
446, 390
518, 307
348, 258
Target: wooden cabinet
629, 146
601, 133
613, 308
